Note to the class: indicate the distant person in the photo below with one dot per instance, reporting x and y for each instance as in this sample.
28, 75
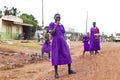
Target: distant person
103, 38
94, 39
38, 37
86, 40
68, 40
22, 36
46, 47
60, 50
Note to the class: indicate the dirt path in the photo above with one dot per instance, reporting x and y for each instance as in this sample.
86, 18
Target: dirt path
104, 66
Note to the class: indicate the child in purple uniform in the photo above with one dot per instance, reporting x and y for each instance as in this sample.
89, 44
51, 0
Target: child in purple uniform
94, 39
86, 43
60, 50
46, 47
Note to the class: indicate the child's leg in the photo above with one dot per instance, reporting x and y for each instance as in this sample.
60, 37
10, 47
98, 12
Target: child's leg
49, 55
91, 52
70, 71
42, 54
83, 53
56, 72
96, 51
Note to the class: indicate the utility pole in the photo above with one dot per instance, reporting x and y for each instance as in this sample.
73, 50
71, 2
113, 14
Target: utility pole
42, 14
86, 22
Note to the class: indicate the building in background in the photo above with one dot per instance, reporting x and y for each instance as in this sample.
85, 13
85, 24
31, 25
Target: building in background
12, 26
73, 34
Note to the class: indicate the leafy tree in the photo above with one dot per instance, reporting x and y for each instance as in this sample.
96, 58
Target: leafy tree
13, 11
30, 19
111, 37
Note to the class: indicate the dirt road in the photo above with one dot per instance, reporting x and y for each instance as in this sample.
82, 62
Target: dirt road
103, 66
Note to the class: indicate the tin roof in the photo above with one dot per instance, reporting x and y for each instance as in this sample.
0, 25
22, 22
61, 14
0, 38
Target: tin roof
15, 20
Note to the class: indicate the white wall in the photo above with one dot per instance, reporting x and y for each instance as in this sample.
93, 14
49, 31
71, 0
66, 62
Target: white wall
14, 28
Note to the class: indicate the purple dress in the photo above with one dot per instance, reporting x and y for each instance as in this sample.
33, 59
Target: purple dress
46, 47
86, 44
94, 42
60, 50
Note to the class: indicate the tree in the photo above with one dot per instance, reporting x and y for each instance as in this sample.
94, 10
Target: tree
30, 19
13, 11
111, 37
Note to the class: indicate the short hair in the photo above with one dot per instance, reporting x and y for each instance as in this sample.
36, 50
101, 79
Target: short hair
56, 14
46, 27
94, 22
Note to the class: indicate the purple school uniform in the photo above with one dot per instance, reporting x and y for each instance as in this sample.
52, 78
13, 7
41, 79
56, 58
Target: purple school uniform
86, 44
46, 48
94, 42
60, 50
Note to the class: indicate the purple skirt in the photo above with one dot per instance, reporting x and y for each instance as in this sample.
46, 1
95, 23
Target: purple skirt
46, 48
86, 46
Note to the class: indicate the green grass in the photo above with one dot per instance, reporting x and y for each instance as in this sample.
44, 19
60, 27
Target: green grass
31, 44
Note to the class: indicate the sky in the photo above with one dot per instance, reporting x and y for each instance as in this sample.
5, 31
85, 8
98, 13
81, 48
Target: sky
105, 13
